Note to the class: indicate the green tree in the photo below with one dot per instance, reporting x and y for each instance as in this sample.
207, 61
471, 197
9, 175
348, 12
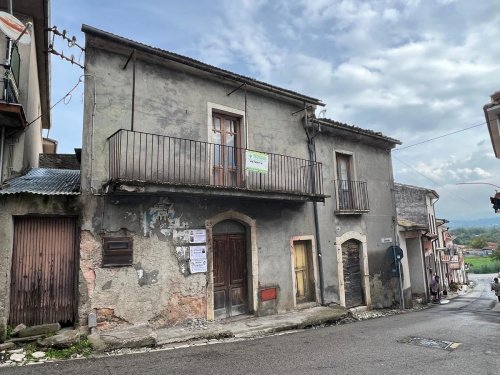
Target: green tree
496, 255
477, 243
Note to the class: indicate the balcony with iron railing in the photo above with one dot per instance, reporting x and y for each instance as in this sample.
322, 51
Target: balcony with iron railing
452, 258
181, 165
351, 197
12, 114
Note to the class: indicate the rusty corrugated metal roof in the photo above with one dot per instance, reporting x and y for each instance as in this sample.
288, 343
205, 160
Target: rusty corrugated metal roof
44, 181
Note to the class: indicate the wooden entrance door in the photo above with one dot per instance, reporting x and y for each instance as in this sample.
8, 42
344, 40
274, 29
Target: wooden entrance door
352, 274
230, 275
227, 153
304, 289
43, 277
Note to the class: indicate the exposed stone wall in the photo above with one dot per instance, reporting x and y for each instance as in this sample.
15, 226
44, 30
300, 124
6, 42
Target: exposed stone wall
411, 203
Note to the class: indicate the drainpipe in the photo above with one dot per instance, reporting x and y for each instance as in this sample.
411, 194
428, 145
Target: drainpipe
396, 234
433, 242
312, 158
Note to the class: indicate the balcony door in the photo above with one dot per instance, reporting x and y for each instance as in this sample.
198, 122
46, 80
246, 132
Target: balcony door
227, 153
344, 180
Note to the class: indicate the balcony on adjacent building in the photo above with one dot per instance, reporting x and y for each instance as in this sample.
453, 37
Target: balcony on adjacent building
143, 162
455, 262
11, 111
351, 197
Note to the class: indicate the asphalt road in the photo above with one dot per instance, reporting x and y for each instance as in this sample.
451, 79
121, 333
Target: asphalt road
368, 347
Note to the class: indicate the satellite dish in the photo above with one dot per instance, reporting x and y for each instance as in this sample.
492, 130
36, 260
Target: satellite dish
14, 28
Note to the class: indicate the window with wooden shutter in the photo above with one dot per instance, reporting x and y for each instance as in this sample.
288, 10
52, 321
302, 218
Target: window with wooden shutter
117, 251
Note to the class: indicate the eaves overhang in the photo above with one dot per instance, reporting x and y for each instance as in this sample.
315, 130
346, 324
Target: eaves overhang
492, 117
351, 130
198, 65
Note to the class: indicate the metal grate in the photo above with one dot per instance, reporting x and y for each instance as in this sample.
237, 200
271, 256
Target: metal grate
430, 343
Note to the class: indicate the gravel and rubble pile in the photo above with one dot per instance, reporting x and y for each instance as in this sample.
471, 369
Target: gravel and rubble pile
371, 314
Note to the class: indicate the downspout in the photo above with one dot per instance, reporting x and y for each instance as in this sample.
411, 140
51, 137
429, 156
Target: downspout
312, 158
396, 234
433, 242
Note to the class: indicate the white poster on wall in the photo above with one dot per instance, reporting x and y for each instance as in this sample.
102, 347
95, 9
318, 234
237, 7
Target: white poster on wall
197, 265
198, 252
197, 236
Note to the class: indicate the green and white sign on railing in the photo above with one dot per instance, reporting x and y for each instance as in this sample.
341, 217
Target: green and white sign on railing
256, 162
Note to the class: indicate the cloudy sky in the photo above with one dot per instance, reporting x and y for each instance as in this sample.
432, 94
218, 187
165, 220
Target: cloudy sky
413, 69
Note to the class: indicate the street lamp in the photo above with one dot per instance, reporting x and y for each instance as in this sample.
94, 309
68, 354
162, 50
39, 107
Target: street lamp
495, 201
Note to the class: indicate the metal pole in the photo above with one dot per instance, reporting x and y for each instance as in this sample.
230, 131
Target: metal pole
133, 92
2, 145
312, 158
9, 7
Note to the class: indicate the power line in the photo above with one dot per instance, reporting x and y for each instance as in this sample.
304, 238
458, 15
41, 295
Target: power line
441, 136
431, 180
56, 103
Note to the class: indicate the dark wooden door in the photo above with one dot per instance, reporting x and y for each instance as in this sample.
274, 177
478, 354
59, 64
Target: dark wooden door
43, 277
352, 274
230, 275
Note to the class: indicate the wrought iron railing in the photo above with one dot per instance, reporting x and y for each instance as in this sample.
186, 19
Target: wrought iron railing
451, 258
351, 196
9, 91
137, 156
9, 84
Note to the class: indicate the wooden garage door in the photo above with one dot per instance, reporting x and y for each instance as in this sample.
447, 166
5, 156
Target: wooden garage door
43, 278
352, 274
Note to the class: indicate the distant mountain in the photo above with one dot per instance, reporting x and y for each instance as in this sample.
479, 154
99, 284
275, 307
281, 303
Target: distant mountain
478, 223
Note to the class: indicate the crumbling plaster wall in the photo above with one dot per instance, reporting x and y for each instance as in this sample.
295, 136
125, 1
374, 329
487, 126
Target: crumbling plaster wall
372, 164
171, 102
19, 205
158, 288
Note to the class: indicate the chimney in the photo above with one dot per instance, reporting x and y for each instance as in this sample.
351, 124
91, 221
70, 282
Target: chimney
495, 97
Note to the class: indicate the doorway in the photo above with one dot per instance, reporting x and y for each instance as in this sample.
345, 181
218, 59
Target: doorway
303, 272
227, 152
230, 269
352, 273
43, 277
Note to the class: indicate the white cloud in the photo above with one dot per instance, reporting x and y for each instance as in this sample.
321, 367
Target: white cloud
412, 69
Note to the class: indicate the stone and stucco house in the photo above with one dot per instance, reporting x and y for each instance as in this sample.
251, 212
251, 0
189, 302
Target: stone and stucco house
204, 194
200, 191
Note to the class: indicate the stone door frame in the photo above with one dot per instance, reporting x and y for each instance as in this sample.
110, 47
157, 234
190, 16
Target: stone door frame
252, 259
363, 258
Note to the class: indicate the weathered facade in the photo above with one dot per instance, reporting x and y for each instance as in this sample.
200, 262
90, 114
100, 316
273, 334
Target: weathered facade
24, 106
357, 224
24, 92
419, 238
180, 222
174, 162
